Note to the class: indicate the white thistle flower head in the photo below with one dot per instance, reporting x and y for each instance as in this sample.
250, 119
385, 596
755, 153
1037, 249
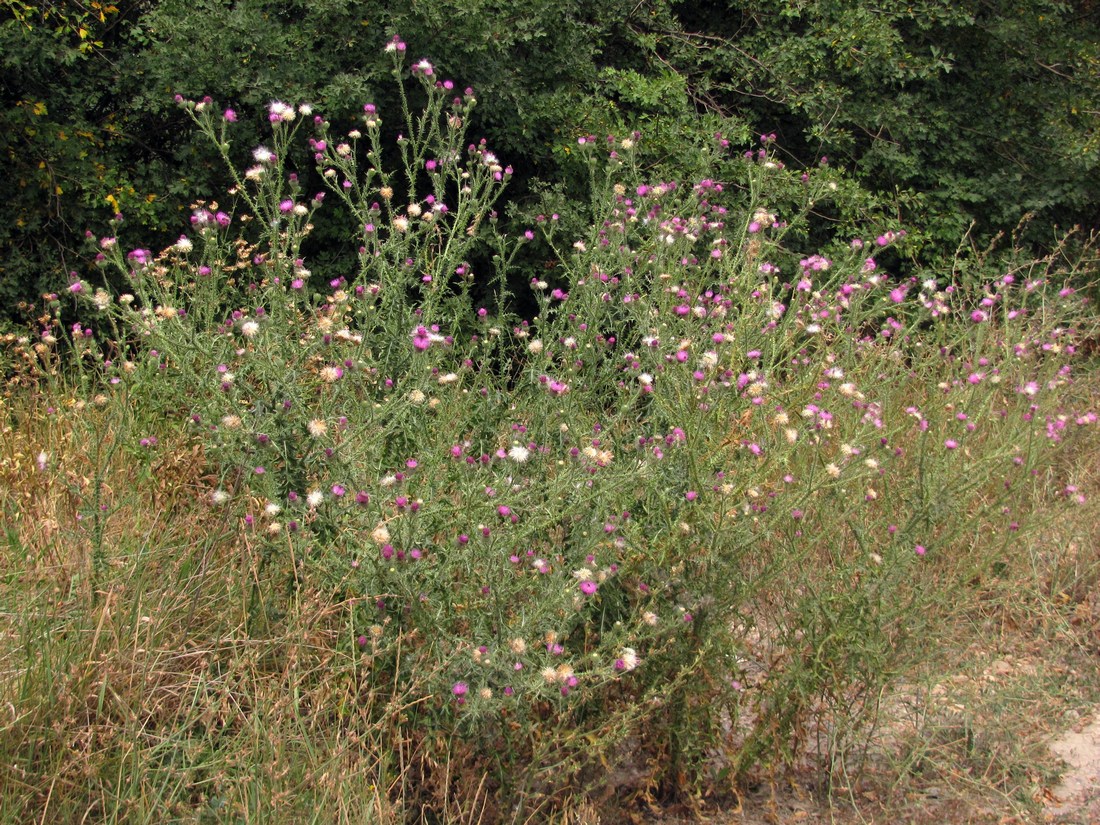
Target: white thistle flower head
314, 498
281, 110
219, 497
250, 329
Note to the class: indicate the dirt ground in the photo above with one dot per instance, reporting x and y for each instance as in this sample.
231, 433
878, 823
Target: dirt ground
1063, 788
1075, 800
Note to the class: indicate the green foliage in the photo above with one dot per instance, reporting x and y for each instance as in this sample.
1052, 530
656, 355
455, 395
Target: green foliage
950, 114
959, 112
72, 157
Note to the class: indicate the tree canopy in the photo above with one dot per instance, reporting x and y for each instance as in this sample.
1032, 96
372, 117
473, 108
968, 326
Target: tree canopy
949, 114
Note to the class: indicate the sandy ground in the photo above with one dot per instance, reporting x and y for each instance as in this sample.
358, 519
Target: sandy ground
1077, 797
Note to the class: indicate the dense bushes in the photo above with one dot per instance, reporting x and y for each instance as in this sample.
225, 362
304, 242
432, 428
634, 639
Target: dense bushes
949, 113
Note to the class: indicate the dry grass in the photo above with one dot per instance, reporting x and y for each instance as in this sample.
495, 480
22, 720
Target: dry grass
158, 689
142, 695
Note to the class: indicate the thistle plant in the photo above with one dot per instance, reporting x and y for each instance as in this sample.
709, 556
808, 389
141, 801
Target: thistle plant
710, 492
